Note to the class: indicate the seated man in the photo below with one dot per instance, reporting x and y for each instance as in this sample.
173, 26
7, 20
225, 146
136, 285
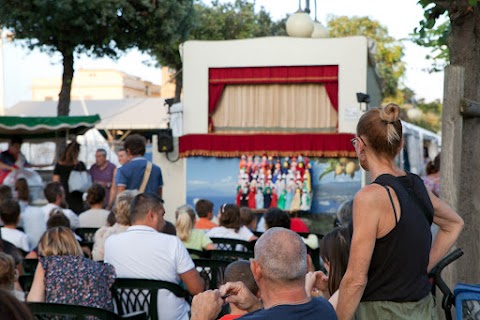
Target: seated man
279, 268
55, 196
143, 252
10, 214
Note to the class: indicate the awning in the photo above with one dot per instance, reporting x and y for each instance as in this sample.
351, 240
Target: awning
33, 128
285, 145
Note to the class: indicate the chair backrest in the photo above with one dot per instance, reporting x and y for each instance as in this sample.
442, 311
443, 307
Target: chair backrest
212, 271
130, 295
198, 254
231, 255
42, 310
26, 281
87, 234
232, 244
29, 265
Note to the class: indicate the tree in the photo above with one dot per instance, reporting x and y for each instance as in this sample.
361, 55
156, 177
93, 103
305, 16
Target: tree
95, 27
220, 21
389, 53
462, 167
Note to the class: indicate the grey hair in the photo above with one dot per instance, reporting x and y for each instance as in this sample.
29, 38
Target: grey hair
282, 255
345, 212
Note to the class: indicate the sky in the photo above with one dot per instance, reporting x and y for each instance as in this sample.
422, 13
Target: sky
21, 65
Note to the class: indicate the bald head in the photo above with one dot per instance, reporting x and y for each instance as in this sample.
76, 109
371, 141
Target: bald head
282, 255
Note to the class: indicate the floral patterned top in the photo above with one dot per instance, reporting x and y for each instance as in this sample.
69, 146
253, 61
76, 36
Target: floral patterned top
78, 280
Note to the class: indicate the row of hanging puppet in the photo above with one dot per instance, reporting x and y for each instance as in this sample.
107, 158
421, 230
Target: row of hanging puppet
290, 179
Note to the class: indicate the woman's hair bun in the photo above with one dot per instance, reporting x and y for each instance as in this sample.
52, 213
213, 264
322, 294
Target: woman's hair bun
390, 113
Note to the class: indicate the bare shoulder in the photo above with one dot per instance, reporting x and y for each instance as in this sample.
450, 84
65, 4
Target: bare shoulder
368, 193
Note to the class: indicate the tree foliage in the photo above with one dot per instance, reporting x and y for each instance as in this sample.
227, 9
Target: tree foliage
389, 53
221, 21
95, 27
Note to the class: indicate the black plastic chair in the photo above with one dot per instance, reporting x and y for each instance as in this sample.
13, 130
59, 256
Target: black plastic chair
232, 244
87, 235
231, 255
42, 311
212, 271
131, 295
198, 254
26, 281
29, 265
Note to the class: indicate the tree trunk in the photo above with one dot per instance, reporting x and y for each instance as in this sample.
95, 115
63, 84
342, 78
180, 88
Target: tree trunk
178, 83
63, 108
464, 45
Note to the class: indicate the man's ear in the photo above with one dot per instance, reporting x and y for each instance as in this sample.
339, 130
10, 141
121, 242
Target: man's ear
256, 270
310, 266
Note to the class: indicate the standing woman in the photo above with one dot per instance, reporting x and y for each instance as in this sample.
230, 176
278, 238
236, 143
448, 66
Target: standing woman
61, 172
391, 249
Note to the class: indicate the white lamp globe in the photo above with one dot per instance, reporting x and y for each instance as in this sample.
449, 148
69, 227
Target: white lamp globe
414, 114
300, 24
319, 31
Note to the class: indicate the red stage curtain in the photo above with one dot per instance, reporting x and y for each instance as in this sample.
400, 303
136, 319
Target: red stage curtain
231, 146
219, 77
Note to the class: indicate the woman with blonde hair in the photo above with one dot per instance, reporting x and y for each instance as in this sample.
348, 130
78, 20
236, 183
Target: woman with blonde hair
391, 250
191, 238
122, 218
65, 276
69, 162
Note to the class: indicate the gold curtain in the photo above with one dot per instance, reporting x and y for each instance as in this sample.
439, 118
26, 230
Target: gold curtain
275, 108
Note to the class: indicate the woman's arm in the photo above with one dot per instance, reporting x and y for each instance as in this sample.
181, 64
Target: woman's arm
113, 191
450, 225
366, 219
37, 292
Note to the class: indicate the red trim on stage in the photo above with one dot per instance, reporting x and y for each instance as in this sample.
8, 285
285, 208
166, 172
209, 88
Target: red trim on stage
231, 146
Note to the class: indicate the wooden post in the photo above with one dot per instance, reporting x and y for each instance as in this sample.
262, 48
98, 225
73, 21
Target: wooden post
460, 174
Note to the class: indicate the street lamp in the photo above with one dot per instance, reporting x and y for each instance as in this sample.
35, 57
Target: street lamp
319, 31
414, 114
300, 24
4, 35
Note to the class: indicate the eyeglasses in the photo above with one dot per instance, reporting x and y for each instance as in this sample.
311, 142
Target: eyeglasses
356, 139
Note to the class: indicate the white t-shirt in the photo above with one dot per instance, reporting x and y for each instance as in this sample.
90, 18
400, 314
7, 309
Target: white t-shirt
93, 218
16, 237
32, 220
72, 216
221, 232
142, 252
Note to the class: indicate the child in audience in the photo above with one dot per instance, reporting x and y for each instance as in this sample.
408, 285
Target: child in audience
249, 219
231, 225
240, 271
10, 214
204, 210
9, 275
191, 238
23, 193
64, 275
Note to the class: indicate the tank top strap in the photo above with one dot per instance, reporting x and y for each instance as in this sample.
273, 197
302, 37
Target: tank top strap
391, 201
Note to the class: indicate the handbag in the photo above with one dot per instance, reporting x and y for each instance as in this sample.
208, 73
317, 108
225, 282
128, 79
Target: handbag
79, 181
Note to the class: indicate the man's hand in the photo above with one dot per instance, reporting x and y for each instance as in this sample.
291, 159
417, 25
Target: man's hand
238, 294
206, 305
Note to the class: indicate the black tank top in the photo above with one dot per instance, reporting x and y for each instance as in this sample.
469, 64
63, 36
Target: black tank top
398, 269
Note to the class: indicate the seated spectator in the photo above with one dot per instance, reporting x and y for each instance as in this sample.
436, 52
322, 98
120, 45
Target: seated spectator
275, 217
9, 275
5, 194
12, 309
10, 214
55, 196
64, 275
344, 213
169, 228
192, 238
231, 225
122, 218
22, 193
96, 216
143, 252
204, 210
279, 271
297, 224
240, 271
249, 219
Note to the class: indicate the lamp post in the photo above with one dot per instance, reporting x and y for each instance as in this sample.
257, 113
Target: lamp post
4, 35
414, 113
300, 24
319, 31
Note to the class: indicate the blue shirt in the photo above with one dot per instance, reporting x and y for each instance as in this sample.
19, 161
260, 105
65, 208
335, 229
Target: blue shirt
315, 309
131, 174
